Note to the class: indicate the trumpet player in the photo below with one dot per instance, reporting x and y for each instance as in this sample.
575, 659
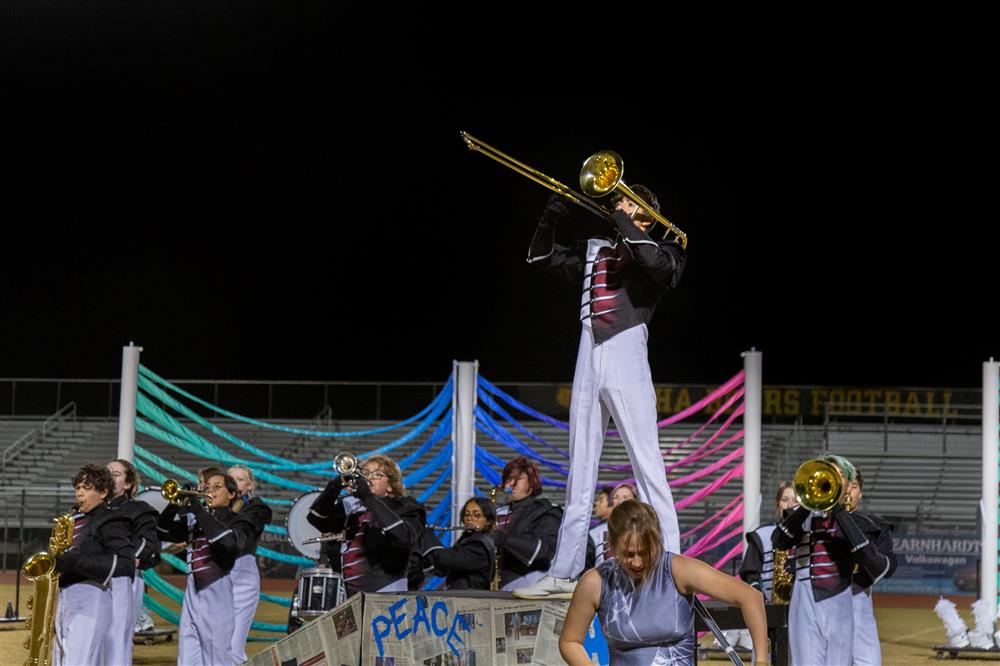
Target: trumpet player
381, 525
829, 546
100, 552
126, 592
245, 573
214, 534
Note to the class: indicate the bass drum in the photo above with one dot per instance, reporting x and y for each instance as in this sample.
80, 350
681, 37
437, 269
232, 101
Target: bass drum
299, 529
154, 499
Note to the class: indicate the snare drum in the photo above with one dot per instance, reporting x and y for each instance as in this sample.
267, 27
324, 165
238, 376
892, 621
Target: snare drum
319, 590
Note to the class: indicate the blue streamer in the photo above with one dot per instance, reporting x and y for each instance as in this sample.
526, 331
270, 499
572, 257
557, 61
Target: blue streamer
486, 423
429, 467
520, 406
445, 391
426, 495
485, 398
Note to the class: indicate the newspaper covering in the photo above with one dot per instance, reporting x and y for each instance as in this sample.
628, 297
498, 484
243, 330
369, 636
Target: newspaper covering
333, 639
427, 630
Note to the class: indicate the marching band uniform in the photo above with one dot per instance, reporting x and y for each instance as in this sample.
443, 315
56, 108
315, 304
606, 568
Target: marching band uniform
468, 565
821, 613
757, 569
867, 649
246, 574
598, 546
127, 591
214, 539
526, 535
379, 534
623, 281
101, 551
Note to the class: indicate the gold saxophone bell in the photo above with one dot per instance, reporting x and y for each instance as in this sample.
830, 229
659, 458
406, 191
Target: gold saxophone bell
818, 485
601, 175
40, 569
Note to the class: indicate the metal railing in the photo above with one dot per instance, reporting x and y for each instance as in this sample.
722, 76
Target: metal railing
65, 413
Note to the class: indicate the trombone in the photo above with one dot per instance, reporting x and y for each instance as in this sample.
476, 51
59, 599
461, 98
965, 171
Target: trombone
601, 174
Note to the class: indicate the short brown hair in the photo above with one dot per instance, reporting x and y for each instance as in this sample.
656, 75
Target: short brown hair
522, 464
96, 475
635, 517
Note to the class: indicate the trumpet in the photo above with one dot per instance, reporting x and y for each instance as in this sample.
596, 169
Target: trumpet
346, 464
175, 494
601, 175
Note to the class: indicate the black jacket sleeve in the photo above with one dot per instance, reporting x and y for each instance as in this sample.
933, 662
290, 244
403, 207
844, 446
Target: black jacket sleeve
171, 528
591, 557
563, 262
753, 562
789, 531
867, 545
467, 556
116, 559
663, 262
145, 537
396, 527
327, 513
534, 548
222, 537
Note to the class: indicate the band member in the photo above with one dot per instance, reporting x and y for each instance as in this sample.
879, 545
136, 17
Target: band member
245, 573
100, 552
829, 546
126, 592
597, 539
643, 598
214, 536
599, 545
867, 648
527, 528
381, 525
471, 561
757, 568
623, 279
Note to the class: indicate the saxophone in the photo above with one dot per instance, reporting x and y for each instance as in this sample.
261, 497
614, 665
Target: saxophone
495, 583
782, 580
41, 570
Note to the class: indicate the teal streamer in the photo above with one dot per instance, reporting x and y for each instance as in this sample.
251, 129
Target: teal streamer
445, 393
161, 610
283, 557
281, 601
149, 471
165, 464
443, 429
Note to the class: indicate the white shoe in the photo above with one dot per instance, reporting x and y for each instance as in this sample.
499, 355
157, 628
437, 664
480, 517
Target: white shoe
143, 622
547, 587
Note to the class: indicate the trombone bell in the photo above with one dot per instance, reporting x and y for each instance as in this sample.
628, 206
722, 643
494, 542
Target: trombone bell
818, 485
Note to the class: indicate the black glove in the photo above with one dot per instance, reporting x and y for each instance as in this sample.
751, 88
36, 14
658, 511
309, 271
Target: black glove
499, 538
66, 561
555, 209
334, 485
364, 490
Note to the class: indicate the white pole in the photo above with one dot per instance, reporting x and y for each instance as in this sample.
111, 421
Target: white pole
126, 404
463, 433
752, 401
991, 414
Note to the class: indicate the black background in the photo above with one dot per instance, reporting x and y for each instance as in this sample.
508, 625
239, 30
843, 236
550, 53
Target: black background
279, 191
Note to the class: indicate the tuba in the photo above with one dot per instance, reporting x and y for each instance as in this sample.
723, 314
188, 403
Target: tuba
40, 569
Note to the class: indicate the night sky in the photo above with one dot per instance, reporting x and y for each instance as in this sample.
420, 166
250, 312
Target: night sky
264, 191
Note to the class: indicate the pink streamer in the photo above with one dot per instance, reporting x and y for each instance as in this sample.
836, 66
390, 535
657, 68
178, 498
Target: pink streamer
737, 549
735, 472
704, 471
705, 543
698, 454
713, 517
736, 380
712, 419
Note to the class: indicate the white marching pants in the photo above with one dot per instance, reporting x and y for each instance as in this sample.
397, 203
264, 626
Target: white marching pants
138, 600
820, 633
612, 380
81, 620
117, 645
867, 649
207, 625
246, 594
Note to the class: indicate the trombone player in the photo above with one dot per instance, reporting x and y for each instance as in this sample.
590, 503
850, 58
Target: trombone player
830, 544
624, 277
